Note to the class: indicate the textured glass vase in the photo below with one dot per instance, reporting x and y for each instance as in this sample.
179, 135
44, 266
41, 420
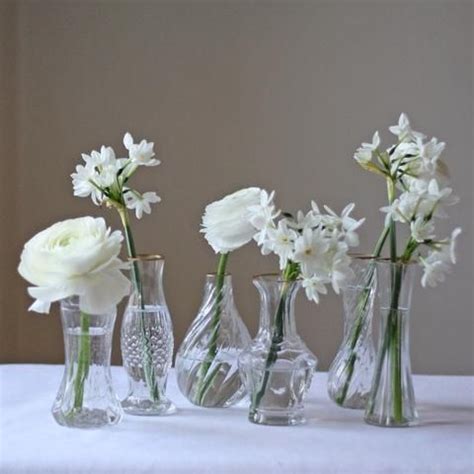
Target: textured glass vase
392, 401
147, 340
86, 397
277, 367
350, 374
206, 363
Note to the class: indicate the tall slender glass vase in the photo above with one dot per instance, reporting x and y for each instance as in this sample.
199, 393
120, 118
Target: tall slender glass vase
206, 363
147, 340
277, 367
86, 397
350, 374
392, 401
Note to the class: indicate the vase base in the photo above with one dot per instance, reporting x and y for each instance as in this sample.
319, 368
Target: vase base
277, 417
87, 419
390, 422
146, 407
355, 403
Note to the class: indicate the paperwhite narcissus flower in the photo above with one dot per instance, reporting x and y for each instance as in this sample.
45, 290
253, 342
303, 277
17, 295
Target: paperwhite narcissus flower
310, 248
345, 224
226, 223
364, 153
140, 153
403, 130
82, 181
422, 230
75, 257
262, 215
281, 241
140, 202
314, 286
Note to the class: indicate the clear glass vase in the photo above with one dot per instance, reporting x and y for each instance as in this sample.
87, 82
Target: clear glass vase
392, 401
147, 340
350, 374
86, 397
277, 367
206, 363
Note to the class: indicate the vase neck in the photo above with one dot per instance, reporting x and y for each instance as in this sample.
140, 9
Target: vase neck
147, 282
395, 285
218, 288
277, 299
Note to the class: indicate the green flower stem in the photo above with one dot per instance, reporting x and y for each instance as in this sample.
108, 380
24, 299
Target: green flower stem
361, 312
148, 369
203, 382
290, 274
84, 360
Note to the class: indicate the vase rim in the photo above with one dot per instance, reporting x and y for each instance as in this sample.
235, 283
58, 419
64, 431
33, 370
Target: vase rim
362, 256
213, 274
145, 257
274, 277
397, 262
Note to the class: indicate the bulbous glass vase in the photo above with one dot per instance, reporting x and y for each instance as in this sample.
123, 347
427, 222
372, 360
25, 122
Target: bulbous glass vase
277, 367
86, 397
147, 340
392, 398
350, 374
206, 363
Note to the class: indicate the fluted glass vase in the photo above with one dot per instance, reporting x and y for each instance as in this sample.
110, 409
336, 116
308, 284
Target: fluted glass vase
147, 340
350, 374
277, 367
392, 401
86, 397
206, 363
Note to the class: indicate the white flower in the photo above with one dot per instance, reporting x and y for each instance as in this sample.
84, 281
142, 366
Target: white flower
364, 153
341, 271
262, 214
226, 223
82, 182
435, 267
281, 241
310, 249
140, 202
75, 257
105, 157
452, 245
345, 225
140, 153
403, 130
421, 229
438, 262
314, 286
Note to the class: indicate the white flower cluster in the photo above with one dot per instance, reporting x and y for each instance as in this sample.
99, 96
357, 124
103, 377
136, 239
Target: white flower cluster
316, 243
104, 177
415, 168
75, 257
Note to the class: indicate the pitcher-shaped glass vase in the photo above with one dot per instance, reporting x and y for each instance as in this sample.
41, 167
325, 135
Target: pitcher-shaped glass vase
86, 397
350, 374
392, 400
206, 363
147, 340
277, 367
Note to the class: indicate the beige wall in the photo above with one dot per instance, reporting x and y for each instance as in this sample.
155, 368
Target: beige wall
234, 94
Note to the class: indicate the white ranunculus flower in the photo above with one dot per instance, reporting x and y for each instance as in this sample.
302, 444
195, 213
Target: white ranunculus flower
226, 224
75, 257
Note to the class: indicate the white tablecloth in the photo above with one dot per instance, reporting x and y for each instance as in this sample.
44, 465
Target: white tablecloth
198, 440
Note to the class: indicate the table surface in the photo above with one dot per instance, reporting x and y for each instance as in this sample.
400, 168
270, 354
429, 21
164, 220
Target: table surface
199, 440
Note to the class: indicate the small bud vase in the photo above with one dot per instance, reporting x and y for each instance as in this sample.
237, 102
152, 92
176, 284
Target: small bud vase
86, 397
392, 401
277, 367
206, 363
147, 340
350, 374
